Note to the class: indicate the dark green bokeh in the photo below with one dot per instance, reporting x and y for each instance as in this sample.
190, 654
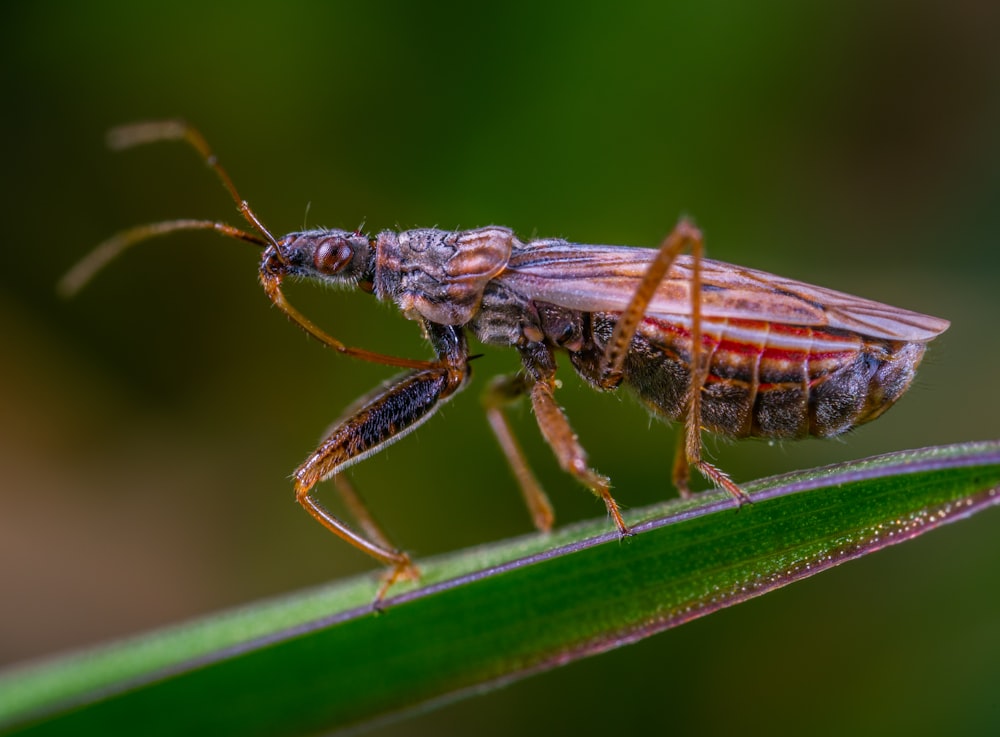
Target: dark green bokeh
149, 425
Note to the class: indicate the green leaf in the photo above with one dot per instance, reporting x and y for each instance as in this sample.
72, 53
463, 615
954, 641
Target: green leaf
322, 659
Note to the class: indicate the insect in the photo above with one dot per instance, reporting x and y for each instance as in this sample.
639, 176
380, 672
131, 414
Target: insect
718, 347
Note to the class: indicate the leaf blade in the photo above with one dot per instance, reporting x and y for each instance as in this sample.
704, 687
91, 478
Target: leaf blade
493, 614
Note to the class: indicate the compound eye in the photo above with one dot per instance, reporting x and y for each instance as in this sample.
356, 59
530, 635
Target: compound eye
332, 256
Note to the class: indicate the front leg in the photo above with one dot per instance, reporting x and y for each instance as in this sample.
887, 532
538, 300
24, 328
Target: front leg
376, 421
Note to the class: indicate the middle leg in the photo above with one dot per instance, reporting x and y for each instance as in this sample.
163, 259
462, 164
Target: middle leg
552, 421
502, 391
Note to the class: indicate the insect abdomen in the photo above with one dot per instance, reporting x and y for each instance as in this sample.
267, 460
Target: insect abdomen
771, 381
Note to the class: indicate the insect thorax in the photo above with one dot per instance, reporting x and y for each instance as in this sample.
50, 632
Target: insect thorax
439, 275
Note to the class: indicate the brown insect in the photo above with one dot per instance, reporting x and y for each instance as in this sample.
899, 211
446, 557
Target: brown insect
734, 351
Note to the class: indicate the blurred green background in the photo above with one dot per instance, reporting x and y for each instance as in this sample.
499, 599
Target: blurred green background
149, 426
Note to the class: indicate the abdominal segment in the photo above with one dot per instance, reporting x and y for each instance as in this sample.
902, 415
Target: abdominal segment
765, 379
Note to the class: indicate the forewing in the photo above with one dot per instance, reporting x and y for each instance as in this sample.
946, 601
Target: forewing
604, 278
